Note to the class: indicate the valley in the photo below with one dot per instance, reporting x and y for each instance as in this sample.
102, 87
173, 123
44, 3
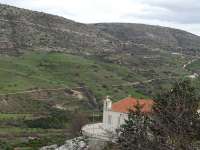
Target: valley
54, 70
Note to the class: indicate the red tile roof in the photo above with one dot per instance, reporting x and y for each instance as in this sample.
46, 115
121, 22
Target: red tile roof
129, 103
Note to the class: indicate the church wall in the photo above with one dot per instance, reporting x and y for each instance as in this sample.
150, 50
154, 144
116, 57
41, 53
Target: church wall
113, 120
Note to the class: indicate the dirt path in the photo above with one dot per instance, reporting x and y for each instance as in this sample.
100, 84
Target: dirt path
142, 82
79, 87
32, 91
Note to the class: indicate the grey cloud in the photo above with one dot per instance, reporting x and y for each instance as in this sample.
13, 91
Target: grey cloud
180, 11
174, 5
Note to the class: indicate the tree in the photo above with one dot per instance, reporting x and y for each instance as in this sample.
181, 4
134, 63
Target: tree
176, 121
5, 146
134, 133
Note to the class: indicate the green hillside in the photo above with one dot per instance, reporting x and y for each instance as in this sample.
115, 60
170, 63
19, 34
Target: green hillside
53, 70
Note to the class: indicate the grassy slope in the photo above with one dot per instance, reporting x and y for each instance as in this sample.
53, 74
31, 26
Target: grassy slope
195, 66
51, 70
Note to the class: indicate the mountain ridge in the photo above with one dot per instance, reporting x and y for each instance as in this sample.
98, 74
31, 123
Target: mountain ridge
24, 29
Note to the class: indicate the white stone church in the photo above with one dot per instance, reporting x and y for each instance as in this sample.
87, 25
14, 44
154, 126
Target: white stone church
114, 115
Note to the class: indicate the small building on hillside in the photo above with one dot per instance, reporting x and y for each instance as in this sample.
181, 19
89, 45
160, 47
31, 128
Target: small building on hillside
114, 114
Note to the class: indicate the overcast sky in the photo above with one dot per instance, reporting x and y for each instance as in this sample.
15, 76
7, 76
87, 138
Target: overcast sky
182, 14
